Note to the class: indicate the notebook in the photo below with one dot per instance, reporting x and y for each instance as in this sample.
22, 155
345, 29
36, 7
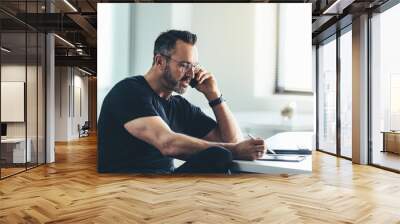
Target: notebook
291, 152
282, 158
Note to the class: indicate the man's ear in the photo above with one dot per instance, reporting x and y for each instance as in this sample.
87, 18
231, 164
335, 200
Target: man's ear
159, 61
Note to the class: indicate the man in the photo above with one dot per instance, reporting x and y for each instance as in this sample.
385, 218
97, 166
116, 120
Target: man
142, 126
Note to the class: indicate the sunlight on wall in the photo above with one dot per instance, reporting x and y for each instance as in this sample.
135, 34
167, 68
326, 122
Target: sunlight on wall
113, 40
265, 47
294, 51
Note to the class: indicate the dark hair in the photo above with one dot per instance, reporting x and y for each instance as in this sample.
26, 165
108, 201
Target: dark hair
166, 41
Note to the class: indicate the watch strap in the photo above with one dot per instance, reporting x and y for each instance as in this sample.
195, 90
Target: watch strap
217, 101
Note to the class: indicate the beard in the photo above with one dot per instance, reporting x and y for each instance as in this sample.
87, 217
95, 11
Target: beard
171, 83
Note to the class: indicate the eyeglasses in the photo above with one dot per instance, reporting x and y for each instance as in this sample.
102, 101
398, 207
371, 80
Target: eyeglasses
184, 66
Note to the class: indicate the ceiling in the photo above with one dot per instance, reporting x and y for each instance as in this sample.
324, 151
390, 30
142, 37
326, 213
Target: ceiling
76, 22
77, 25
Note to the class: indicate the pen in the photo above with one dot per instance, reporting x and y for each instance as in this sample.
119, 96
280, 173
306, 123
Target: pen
272, 151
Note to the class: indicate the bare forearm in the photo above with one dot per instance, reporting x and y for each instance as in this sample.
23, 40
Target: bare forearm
228, 128
180, 145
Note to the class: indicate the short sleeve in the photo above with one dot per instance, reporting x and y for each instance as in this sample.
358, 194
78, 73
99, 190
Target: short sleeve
128, 101
198, 123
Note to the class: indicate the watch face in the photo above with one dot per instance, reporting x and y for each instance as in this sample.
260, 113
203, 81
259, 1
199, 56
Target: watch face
193, 83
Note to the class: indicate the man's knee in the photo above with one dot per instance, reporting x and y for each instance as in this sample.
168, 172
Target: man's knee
220, 154
211, 160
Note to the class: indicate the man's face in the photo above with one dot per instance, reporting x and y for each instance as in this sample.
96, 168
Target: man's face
176, 76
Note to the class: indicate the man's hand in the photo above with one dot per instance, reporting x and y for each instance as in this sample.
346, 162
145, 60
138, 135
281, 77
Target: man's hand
207, 84
250, 149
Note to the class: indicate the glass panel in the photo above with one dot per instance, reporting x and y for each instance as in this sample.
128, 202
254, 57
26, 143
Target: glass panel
386, 89
31, 100
13, 87
23, 89
327, 96
41, 98
346, 94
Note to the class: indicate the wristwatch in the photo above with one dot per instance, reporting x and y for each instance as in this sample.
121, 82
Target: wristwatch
217, 101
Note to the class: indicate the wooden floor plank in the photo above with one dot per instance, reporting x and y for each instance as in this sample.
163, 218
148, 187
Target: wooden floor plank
71, 191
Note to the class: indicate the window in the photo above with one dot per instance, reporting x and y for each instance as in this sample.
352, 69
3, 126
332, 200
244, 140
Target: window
294, 54
346, 94
327, 96
394, 102
385, 88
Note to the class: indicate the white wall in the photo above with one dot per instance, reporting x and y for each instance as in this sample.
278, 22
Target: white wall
236, 42
226, 48
146, 26
13, 93
33, 126
15, 72
61, 103
114, 47
130, 52
70, 83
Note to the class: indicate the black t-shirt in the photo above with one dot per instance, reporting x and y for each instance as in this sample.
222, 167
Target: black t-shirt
131, 98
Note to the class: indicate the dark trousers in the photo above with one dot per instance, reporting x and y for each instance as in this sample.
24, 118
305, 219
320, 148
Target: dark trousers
211, 160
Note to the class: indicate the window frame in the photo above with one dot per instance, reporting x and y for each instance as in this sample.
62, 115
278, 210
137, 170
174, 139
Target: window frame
278, 89
334, 37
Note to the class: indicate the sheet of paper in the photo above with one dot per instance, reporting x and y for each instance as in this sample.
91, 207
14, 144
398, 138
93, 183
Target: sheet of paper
290, 140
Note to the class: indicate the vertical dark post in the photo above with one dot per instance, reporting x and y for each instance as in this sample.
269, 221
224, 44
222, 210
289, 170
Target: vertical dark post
26, 86
369, 95
317, 96
47, 4
338, 73
37, 87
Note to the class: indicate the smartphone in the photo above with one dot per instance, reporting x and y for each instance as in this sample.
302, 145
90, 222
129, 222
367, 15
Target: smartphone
193, 83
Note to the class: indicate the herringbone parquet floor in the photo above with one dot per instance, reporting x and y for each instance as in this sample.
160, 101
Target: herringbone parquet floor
71, 191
